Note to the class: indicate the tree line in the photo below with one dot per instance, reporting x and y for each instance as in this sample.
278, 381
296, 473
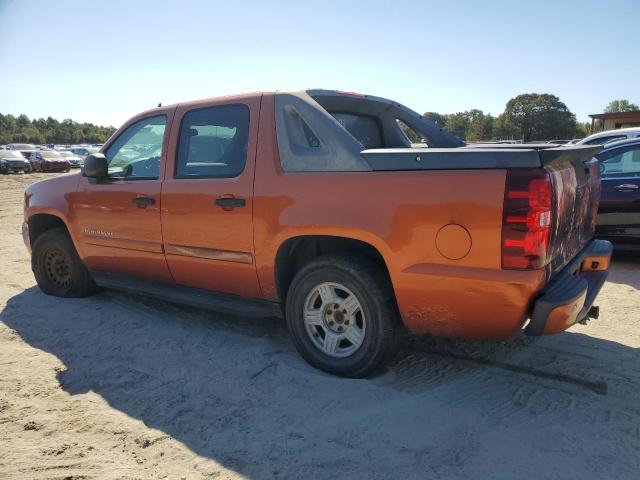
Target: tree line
528, 117
23, 130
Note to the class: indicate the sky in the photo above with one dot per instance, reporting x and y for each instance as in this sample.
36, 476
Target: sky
104, 61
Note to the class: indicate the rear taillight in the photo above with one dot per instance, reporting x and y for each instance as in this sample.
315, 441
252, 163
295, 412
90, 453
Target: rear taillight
526, 219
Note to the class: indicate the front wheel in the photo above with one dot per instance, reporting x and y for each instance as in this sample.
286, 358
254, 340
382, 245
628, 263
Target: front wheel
342, 316
58, 269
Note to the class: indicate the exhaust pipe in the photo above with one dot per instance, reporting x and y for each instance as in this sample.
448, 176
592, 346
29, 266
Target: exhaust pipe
594, 312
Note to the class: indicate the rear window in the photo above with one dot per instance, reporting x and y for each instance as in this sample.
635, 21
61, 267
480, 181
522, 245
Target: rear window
603, 140
363, 127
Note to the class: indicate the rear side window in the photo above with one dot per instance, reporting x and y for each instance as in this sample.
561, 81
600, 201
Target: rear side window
363, 127
622, 164
213, 142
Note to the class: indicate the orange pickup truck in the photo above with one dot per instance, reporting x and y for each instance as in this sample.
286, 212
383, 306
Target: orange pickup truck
315, 205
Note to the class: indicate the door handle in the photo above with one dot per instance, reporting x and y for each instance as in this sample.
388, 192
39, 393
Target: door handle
144, 202
626, 187
229, 203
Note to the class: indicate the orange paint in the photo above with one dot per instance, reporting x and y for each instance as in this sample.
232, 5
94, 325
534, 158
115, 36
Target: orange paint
565, 316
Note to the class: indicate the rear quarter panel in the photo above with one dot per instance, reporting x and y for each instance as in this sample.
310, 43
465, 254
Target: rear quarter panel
400, 214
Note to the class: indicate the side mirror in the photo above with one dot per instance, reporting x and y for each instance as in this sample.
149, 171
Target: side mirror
95, 166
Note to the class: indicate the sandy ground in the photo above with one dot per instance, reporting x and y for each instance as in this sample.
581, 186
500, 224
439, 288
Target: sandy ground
117, 386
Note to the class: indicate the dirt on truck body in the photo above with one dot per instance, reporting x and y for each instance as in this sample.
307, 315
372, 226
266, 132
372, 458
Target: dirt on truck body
317, 206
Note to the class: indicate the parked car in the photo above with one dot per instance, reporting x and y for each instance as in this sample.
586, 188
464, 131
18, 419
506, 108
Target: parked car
82, 152
619, 211
314, 205
559, 142
12, 161
48, 161
74, 160
24, 148
603, 138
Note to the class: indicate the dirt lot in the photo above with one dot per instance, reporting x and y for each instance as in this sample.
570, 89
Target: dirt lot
117, 386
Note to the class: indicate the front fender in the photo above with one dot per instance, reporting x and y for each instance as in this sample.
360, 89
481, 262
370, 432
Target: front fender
51, 197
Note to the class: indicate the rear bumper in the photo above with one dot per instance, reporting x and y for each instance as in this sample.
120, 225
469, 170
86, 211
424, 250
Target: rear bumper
569, 296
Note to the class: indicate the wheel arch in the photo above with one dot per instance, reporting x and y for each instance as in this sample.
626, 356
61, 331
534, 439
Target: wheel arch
297, 251
41, 222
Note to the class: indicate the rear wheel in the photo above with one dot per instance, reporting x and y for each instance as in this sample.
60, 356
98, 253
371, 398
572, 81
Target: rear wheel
342, 316
58, 268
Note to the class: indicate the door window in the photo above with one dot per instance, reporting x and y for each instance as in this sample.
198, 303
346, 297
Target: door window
625, 164
213, 142
136, 152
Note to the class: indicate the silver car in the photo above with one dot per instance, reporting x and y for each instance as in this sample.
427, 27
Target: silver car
75, 161
13, 161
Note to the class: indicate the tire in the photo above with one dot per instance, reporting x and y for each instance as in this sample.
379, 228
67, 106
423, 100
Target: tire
58, 268
29, 169
366, 339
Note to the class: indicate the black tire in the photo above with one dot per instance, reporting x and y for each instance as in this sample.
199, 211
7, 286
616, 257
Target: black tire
370, 284
58, 268
29, 169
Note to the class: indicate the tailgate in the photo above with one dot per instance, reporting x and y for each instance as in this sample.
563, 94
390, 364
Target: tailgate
575, 177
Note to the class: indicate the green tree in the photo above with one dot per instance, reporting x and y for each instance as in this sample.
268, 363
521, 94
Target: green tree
21, 129
458, 124
439, 119
505, 129
539, 117
23, 121
583, 129
480, 126
621, 106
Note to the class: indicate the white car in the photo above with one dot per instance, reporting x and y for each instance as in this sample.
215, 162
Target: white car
610, 136
84, 151
74, 160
